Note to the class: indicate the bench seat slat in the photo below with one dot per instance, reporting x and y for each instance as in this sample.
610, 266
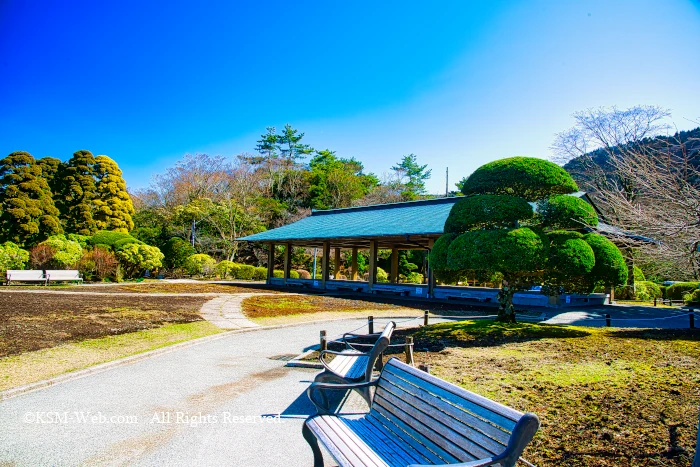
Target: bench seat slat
481, 406
391, 420
350, 365
355, 446
490, 437
398, 452
444, 434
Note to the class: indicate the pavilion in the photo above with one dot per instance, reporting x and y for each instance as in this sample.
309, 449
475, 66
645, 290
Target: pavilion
411, 225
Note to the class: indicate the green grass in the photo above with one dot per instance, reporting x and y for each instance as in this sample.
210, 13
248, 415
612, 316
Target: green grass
35, 366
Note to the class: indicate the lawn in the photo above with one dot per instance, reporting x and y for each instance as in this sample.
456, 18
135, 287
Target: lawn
605, 396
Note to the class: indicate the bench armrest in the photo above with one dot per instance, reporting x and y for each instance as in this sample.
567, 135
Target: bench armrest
351, 346
322, 405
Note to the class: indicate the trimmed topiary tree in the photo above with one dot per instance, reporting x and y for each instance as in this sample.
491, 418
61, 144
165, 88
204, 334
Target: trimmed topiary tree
113, 207
67, 253
493, 231
137, 257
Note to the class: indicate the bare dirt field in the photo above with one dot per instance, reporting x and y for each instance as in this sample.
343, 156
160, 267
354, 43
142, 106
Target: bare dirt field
31, 321
149, 287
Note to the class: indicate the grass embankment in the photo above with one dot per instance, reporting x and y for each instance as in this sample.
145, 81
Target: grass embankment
606, 397
30, 367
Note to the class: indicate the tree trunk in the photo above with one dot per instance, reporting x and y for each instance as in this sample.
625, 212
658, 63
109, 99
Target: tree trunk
506, 311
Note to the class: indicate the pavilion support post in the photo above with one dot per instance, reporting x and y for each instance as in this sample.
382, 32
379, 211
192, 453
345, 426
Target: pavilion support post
372, 264
336, 265
429, 270
353, 265
287, 261
270, 262
394, 273
325, 263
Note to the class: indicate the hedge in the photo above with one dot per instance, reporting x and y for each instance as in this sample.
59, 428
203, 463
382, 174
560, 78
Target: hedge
679, 290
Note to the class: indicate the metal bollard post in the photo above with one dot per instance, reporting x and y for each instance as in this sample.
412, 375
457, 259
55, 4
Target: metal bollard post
692, 319
409, 351
654, 301
425, 318
324, 342
370, 324
607, 320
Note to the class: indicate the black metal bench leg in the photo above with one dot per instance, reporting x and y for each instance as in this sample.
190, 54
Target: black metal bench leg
313, 442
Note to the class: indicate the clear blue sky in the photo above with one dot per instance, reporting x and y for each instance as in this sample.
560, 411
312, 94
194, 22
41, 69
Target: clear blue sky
457, 83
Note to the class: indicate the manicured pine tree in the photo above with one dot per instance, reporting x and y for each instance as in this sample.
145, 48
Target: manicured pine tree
49, 170
75, 193
113, 206
28, 214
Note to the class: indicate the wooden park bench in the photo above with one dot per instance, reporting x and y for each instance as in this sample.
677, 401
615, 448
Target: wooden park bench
31, 275
63, 275
416, 419
353, 365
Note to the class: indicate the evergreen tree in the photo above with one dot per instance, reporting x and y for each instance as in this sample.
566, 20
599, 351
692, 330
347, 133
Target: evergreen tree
412, 176
290, 146
28, 214
76, 186
50, 167
113, 207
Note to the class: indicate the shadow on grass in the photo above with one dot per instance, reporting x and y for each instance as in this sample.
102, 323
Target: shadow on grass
486, 334
657, 334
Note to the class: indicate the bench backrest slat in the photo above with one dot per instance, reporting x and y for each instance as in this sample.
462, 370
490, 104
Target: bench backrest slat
25, 274
455, 424
63, 274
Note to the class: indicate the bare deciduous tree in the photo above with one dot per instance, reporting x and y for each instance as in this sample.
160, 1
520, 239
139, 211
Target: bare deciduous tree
642, 182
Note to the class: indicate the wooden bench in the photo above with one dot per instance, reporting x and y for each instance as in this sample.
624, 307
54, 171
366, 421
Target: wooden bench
63, 275
353, 365
31, 275
416, 419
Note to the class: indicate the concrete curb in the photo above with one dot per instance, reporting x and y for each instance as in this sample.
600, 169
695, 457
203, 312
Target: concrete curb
66, 377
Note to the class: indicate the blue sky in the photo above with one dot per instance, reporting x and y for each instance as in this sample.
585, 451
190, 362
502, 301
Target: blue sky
457, 83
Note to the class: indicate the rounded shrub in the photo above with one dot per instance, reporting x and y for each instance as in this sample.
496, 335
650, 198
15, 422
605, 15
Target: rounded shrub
692, 297
119, 244
382, 276
487, 211
201, 264
67, 253
566, 212
176, 251
414, 278
12, 257
225, 268
245, 272
678, 290
524, 177
108, 237
293, 275
278, 274
259, 273
638, 274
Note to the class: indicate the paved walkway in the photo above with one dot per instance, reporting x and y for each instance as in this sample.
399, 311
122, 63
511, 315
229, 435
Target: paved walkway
186, 407
622, 316
226, 312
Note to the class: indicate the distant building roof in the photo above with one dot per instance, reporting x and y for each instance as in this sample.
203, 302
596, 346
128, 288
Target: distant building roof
424, 218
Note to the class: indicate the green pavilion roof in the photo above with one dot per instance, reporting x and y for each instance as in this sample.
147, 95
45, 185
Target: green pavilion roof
413, 218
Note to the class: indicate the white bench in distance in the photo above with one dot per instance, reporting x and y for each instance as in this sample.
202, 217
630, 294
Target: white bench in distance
21, 275
63, 275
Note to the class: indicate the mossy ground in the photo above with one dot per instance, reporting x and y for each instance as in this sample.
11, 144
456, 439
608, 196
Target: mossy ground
606, 397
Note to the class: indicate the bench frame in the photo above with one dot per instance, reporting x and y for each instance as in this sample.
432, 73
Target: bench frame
330, 375
513, 441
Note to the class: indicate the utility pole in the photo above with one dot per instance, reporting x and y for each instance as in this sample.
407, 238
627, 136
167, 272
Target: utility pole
194, 226
447, 181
